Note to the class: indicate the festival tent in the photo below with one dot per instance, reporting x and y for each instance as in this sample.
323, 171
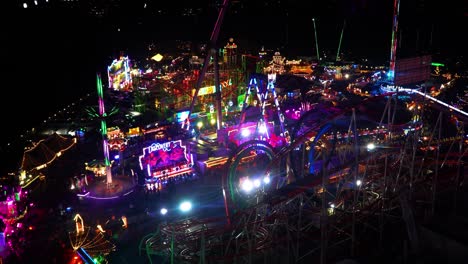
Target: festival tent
46, 151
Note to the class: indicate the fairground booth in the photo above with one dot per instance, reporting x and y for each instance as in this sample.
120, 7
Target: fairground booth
165, 162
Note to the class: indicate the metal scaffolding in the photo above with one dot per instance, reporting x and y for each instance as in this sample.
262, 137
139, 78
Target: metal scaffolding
349, 184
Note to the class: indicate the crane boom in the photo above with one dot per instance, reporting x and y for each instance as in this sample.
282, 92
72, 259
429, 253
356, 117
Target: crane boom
212, 50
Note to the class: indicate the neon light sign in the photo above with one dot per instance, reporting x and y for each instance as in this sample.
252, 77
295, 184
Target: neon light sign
164, 157
158, 146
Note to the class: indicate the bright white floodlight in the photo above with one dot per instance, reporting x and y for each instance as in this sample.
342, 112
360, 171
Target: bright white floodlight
185, 206
358, 182
257, 183
266, 180
163, 211
245, 132
370, 146
247, 185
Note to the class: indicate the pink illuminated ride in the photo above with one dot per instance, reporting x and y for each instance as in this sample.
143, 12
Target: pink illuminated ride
164, 162
261, 106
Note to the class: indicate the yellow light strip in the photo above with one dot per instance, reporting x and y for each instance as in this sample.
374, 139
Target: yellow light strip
55, 156
31, 181
220, 161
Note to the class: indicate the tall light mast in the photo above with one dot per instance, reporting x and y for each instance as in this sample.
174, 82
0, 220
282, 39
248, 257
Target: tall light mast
391, 71
339, 43
105, 144
316, 41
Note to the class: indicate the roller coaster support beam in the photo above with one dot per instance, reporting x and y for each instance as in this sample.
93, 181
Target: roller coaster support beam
324, 214
226, 208
408, 217
436, 169
172, 243
356, 171
390, 117
460, 172
202, 246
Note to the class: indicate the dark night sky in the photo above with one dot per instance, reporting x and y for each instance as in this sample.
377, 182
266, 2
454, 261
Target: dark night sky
51, 55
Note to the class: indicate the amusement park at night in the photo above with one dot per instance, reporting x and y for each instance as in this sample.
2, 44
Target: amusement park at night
223, 155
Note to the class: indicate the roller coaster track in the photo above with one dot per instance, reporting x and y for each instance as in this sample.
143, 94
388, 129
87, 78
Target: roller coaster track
306, 214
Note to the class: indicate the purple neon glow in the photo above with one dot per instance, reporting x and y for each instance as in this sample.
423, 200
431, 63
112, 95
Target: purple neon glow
165, 147
89, 196
271, 88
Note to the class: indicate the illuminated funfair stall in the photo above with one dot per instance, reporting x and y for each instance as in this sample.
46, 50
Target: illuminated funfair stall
265, 127
166, 161
116, 139
119, 74
207, 117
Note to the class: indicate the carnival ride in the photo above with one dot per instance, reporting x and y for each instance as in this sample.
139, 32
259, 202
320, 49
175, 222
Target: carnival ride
333, 185
92, 245
101, 115
333, 189
257, 117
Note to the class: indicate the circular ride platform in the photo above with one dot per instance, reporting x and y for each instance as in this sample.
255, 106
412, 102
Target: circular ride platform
122, 185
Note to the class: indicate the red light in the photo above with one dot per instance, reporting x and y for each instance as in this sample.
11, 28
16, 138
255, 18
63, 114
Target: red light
75, 257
